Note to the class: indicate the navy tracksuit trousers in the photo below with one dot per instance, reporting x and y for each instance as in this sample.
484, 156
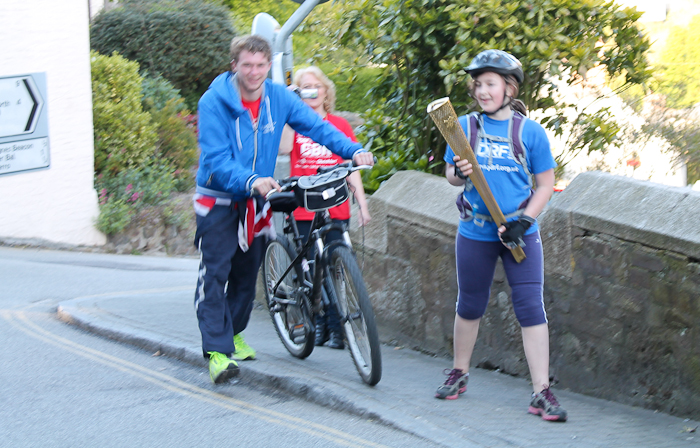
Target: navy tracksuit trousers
227, 276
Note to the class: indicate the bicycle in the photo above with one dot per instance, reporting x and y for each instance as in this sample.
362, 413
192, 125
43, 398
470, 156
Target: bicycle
297, 289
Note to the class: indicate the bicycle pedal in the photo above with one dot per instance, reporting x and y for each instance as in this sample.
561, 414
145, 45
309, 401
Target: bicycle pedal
298, 333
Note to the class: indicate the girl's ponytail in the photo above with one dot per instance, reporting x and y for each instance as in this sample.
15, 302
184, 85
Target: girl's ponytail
518, 106
515, 104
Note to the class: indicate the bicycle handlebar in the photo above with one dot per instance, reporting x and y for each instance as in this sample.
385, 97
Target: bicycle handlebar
289, 183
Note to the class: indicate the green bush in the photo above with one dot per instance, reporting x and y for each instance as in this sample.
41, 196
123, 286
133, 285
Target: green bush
177, 138
141, 157
186, 41
157, 91
391, 139
124, 194
177, 143
124, 135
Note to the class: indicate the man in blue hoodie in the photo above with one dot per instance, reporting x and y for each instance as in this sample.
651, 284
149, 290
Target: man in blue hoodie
241, 117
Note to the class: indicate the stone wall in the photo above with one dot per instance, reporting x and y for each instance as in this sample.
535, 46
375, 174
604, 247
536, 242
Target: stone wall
622, 281
623, 287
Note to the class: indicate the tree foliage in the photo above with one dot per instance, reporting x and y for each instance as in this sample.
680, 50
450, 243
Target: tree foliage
244, 11
680, 61
424, 46
185, 41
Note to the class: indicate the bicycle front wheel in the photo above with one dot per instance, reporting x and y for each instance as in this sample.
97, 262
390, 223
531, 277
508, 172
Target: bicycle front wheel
356, 315
288, 307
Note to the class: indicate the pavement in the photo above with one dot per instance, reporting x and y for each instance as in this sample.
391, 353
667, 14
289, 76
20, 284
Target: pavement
492, 413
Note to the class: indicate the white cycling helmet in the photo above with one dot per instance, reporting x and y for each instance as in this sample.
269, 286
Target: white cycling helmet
496, 61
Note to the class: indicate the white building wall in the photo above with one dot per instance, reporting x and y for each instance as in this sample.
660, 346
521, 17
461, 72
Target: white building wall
58, 204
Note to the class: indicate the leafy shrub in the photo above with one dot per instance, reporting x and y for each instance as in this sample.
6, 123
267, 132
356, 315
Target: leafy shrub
157, 91
134, 172
177, 143
186, 41
124, 194
115, 214
391, 139
124, 135
175, 125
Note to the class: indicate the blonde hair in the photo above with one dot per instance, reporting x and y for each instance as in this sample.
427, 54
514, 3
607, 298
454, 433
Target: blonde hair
329, 102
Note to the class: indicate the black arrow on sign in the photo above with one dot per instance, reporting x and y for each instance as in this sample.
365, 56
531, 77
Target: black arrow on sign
31, 114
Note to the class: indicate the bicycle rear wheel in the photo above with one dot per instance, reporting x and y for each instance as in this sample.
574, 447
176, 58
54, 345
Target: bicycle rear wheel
356, 315
289, 308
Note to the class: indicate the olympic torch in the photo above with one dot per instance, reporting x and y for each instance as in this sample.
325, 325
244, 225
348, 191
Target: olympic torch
445, 118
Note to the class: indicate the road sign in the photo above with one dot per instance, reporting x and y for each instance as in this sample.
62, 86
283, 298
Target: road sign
24, 130
20, 106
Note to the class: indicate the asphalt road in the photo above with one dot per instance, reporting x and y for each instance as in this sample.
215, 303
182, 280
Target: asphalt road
62, 387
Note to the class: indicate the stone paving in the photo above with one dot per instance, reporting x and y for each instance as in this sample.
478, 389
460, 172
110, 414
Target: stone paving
493, 412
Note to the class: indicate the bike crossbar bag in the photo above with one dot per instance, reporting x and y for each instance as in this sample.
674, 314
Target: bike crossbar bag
323, 191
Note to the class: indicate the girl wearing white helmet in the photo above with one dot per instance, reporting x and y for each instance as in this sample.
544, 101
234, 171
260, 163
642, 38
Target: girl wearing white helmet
511, 149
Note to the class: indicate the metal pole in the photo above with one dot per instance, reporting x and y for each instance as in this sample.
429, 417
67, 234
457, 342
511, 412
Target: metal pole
281, 38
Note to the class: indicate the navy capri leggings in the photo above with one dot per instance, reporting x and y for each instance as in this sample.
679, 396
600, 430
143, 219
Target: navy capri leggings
476, 265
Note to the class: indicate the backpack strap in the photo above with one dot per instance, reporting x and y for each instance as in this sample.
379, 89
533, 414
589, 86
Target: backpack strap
473, 130
515, 134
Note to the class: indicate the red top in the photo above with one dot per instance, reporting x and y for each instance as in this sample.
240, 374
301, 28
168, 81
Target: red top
253, 107
307, 156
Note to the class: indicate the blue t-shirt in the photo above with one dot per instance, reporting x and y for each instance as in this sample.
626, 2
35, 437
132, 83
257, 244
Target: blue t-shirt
507, 179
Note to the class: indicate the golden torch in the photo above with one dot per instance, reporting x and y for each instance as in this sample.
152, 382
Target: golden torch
444, 116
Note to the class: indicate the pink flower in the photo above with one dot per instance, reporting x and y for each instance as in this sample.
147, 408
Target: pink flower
129, 188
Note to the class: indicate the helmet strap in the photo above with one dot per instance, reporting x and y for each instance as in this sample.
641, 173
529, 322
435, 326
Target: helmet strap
504, 104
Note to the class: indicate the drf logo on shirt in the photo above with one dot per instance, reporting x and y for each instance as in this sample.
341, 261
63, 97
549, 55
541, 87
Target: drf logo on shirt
497, 150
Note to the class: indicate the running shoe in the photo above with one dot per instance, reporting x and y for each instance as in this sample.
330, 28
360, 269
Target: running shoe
455, 384
546, 405
336, 340
322, 334
244, 352
221, 368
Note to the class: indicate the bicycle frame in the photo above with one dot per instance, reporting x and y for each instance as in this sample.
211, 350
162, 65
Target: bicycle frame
320, 226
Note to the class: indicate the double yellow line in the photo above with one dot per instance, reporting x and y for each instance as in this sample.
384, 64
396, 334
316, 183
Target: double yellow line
19, 320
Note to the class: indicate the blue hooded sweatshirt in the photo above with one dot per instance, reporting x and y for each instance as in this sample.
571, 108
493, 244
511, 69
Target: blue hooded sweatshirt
234, 151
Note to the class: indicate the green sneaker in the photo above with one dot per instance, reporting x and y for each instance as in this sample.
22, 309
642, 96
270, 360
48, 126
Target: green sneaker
221, 368
244, 352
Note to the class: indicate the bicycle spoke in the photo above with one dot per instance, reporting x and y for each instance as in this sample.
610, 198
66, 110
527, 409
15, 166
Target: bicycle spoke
292, 319
357, 317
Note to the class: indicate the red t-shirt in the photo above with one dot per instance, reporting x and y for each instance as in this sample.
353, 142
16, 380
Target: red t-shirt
307, 156
253, 107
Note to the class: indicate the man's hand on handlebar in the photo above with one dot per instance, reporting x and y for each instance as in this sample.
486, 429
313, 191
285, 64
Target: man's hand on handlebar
363, 158
263, 185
